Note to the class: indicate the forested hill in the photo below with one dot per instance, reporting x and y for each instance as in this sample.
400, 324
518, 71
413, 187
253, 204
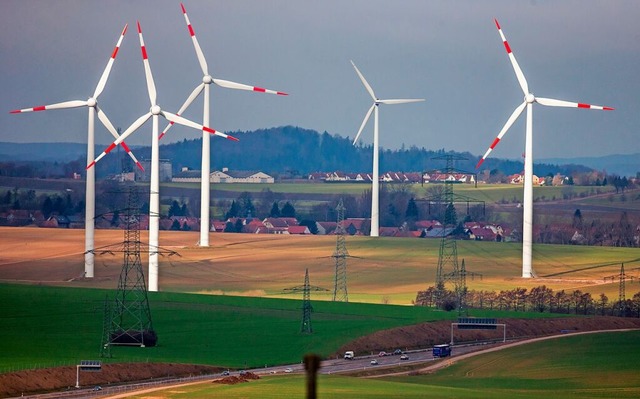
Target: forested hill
278, 151
302, 151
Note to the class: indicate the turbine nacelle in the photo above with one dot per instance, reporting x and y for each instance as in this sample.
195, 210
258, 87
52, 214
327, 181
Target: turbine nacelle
529, 98
207, 79
155, 110
92, 102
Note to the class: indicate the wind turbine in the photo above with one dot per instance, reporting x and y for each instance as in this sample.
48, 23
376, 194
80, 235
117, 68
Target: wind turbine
206, 152
92, 104
375, 211
154, 189
529, 99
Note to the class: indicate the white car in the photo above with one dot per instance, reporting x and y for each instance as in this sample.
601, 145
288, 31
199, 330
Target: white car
288, 370
374, 362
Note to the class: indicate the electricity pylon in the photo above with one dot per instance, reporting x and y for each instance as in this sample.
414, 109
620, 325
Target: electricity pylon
340, 255
130, 321
306, 306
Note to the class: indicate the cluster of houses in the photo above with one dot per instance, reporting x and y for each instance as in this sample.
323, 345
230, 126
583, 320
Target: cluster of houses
282, 225
393, 177
225, 175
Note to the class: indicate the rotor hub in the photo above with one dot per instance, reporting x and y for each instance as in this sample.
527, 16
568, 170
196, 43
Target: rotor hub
92, 102
155, 110
529, 98
207, 79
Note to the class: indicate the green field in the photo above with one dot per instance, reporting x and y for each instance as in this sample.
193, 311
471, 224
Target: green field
587, 366
491, 193
46, 326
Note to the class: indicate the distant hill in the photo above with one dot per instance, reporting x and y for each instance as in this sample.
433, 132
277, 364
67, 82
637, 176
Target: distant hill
621, 165
295, 150
50, 152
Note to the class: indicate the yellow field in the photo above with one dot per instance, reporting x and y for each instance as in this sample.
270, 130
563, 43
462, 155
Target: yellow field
381, 270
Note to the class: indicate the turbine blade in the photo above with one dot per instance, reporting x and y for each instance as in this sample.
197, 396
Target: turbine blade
199, 54
561, 103
107, 123
401, 101
62, 105
521, 79
151, 86
239, 86
364, 82
134, 126
105, 75
364, 122
186, 122
516, 113
194, 94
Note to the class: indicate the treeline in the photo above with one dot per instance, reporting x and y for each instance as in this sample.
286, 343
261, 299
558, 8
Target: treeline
539, 299
292, 151
286, 151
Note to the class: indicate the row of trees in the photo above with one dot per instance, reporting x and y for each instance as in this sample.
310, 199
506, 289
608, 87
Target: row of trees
538, 299
69, 203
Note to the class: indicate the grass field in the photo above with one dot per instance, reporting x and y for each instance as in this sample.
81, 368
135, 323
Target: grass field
57, 325
587, 366
43, 325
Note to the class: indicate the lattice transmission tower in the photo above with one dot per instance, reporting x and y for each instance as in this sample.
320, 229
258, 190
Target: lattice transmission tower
306, 306
448, 269
340, 281
130, 316
621, 308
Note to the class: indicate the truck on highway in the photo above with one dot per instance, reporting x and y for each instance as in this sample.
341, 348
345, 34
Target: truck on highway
442, 350
349, 355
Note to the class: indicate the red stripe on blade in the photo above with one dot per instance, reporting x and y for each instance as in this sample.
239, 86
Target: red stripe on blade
125, 146
479, 163
495, 143
90, 165
608, 108
40, 108
115, 53
191, 32
183, 10
111, 147
144, 53
506, 46
280, 93
580, 105
260, 89
15, 111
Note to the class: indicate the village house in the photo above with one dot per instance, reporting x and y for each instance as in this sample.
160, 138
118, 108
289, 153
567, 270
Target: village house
223, 176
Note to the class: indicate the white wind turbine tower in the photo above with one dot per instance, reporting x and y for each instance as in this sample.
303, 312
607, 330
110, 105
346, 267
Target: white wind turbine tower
154, 186
92, 104
206, 151
529, 99
375, 187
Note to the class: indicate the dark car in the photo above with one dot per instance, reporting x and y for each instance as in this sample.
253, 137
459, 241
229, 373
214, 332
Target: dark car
397, 352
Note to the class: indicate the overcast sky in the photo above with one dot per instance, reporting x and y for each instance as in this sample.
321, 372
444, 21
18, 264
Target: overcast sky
448, 52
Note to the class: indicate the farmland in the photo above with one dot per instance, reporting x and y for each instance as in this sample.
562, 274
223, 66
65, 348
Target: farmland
389, 270
245, 317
